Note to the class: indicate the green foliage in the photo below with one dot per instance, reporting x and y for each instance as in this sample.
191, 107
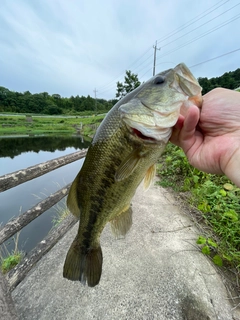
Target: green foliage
131, 82
46, 125
61, 212
206, 250
229, 80
215, 196
208, 247
218, 260
8, 260
43, 103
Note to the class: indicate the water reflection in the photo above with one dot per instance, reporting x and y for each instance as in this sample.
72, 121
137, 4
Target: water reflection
20, 153
13, 146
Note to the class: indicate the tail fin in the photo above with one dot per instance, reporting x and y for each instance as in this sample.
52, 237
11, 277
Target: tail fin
83, 264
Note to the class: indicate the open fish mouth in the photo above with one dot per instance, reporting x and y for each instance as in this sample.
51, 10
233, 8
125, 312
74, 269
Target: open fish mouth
148, 134
155, 108
141, 136
155, 127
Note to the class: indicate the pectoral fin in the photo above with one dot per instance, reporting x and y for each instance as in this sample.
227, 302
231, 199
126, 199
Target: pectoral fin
127, 167
149, 176
72, 202
122, 223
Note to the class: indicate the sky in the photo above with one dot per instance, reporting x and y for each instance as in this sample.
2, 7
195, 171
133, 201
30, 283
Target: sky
83, 47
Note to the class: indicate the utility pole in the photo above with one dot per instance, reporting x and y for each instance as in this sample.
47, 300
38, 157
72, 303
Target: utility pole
95, 93
154, 60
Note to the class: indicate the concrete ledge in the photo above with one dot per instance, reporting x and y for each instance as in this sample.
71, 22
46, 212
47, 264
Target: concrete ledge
154, 273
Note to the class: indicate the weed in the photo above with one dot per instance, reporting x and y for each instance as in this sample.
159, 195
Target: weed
215, 196
60, 208
10, 259
48, 124
61, 212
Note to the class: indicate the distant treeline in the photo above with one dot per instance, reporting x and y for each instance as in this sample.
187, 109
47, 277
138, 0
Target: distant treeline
44, 103
229, 80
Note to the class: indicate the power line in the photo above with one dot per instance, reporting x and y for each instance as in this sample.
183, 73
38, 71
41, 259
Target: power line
194, 39
149, 69
200, 26
202, 35
112, 83
109, 83
225, 54
187, 24
203, 62
145, 63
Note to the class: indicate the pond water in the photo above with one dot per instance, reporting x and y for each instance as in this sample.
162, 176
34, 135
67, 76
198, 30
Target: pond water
21, 152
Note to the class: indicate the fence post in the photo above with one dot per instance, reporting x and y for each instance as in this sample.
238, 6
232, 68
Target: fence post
7, 309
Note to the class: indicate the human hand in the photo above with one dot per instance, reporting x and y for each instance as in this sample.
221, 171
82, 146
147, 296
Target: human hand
210, 137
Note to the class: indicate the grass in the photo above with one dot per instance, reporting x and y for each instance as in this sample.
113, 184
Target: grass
48, 124
215, 197
61, 212
8, 260
60, 208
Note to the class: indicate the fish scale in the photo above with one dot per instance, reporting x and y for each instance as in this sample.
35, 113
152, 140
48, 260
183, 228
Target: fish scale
124, 150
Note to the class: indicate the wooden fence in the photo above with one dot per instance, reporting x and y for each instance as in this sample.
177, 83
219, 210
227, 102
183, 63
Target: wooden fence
9, 281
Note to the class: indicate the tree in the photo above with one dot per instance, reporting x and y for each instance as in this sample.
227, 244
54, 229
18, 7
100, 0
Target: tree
131, 82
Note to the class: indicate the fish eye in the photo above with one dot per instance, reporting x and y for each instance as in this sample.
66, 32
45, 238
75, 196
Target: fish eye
159, 80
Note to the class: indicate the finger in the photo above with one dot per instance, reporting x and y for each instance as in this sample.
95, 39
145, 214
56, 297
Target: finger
183, 131
190, 123
176, 130
188, 134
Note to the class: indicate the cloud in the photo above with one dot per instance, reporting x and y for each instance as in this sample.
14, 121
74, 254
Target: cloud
72, 47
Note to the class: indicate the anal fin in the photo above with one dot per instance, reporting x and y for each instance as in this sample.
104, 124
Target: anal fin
122, 223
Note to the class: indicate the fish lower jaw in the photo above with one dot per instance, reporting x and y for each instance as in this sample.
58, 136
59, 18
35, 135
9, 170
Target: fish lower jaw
140, 135
156, 135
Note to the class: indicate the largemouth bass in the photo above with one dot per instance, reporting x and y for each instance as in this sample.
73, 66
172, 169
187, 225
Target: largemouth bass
123, 152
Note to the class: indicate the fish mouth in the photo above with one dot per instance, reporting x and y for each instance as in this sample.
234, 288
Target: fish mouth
156, 128
148, 134
141, 136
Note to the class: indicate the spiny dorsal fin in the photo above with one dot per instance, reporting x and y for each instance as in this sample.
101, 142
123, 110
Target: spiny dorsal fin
150, 174
127, 167
122, 223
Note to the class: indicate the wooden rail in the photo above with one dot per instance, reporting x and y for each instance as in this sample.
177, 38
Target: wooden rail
13, 179
25, 218
7, 309
16, 275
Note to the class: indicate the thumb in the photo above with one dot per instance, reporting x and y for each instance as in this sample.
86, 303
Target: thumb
187, 136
